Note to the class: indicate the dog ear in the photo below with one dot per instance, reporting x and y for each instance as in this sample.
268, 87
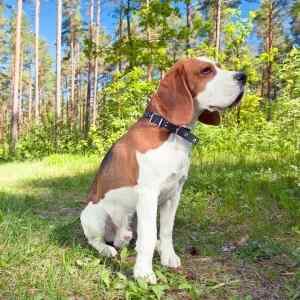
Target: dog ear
173, 99
210, 117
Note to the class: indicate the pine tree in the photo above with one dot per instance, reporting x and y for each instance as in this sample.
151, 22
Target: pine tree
58, 60
97, 29
16, 80
37, 90
89, 102
269, 28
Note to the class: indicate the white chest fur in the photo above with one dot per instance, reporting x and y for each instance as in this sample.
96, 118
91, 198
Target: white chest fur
166, 165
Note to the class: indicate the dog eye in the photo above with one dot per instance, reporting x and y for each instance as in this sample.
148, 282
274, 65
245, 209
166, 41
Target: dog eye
206, 71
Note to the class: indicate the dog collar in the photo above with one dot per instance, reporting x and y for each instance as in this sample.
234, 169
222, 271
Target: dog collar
161, 122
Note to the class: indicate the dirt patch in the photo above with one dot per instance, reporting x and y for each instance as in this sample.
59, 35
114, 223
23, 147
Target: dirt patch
224, 277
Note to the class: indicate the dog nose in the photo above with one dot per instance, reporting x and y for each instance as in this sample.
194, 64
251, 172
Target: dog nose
241, 77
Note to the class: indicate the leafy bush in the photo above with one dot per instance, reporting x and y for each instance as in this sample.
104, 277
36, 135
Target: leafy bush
243, 129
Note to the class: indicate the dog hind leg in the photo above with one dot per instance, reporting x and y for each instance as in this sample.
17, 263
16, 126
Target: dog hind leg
93, 220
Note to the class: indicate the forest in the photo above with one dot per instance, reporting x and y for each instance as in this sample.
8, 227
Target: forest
62, 106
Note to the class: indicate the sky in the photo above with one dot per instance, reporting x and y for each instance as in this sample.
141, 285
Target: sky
48, 16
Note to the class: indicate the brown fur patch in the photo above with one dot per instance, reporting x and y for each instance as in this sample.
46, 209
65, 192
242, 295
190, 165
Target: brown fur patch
119, 167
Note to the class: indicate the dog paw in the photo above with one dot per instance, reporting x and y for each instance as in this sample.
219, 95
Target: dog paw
108, 251
146, 275
170, 259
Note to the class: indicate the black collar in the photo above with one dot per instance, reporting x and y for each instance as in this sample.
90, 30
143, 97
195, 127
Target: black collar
163, 123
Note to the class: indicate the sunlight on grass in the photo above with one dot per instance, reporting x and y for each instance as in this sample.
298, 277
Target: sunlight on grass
238, 216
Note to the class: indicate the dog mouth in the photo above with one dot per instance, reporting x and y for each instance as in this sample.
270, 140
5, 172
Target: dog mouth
236, 102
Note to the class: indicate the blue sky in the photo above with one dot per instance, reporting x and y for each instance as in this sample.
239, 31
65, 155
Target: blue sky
48, 16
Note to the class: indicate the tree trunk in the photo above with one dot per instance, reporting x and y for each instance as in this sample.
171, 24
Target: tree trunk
148, 31
2, 124
128, 18
78, 89
188, 23
21, 91
16, 77
58, 61
120, 31
73, 71
97, 31
37, 25
270, 65
30, 100
218, 28
90, 71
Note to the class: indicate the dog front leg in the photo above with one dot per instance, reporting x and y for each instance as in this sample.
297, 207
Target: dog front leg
146, 234
168, 256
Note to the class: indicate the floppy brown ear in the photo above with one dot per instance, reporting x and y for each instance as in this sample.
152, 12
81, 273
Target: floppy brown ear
210, 117
173, 99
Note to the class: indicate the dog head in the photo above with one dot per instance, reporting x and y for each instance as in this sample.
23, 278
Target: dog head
198, 88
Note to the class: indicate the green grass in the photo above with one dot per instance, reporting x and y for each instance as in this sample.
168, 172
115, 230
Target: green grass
237, 231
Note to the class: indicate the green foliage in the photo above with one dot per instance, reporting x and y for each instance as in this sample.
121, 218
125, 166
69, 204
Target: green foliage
125, 100
289, 74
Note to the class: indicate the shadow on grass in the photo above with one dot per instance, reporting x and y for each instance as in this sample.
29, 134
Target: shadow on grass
58, 201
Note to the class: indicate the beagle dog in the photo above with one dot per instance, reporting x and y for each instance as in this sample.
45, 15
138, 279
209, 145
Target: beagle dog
147, 167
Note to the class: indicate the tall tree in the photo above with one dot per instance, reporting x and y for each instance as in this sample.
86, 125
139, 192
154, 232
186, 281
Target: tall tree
97, 31
149, 37
188, 10
90, 70
58, 60
37, 91
129, 33
70, 38
16, 79
120, 30
218, 28
269, 27
30, 97
214, 13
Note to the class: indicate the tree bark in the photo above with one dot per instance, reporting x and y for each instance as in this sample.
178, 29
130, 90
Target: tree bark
58, 61
97, 31
148, 30
37, 25
188, 23
16, 78
120, 32
218, 28
30, 99
78, 88
73, 71
21, 91
270, 65
90, 71
129, 36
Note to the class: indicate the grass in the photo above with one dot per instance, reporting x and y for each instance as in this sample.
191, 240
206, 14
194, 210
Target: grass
237, 231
